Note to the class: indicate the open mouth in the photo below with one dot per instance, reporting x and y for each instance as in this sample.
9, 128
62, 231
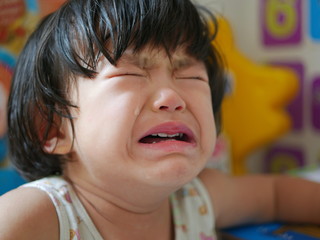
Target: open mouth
161, 137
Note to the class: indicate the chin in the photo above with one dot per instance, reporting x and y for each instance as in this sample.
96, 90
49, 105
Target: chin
174, 174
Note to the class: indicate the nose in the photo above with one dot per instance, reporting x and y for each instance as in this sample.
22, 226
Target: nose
168, 100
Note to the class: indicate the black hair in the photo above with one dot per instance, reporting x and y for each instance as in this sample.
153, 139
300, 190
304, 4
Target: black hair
69, 42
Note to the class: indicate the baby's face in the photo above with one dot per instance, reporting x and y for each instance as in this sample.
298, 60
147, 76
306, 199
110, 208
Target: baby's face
147, 121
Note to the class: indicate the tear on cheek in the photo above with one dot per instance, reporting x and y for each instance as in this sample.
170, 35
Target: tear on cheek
136, 111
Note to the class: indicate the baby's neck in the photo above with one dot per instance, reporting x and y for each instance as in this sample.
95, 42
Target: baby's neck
114, 221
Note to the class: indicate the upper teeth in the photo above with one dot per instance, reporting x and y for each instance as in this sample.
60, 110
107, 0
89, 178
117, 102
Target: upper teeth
167, 135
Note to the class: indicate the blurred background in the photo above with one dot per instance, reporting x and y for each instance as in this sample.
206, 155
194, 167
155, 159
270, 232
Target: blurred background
271, 113
272, 33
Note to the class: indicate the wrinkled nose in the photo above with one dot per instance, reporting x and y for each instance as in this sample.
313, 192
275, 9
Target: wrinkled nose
168, 100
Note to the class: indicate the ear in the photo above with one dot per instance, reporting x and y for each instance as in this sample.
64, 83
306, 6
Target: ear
59, 141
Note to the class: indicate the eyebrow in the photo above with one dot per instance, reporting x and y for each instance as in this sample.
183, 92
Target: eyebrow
183, 62
144, 61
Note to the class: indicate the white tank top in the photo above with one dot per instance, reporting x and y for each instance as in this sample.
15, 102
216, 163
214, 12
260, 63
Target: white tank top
192, 212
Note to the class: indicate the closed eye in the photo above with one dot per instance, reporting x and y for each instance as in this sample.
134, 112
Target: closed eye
193, 78
129, 75
134, 74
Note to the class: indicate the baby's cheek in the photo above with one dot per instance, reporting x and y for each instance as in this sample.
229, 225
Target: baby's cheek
210, 135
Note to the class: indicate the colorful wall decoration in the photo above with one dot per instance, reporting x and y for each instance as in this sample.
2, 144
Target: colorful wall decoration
294, 24
281, 22
285, 34
314, 19
17, 20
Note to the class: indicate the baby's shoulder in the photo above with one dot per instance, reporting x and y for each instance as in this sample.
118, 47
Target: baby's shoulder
27, 213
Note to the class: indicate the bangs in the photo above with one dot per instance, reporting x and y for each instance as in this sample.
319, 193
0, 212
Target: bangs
108, 29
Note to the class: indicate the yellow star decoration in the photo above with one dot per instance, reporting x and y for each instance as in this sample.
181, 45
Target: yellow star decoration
253, 113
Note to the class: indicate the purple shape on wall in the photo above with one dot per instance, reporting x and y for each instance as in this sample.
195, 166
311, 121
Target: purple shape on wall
315, 105
280, 159
295, 108
281, 22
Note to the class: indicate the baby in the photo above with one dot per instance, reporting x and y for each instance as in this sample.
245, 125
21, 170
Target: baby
113, 114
